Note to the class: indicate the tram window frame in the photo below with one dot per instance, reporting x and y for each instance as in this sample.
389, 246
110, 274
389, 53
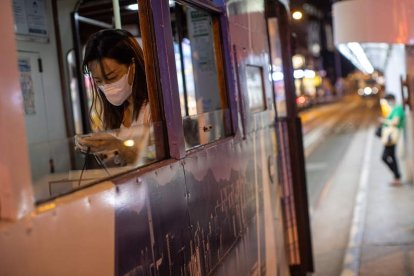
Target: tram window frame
217, 124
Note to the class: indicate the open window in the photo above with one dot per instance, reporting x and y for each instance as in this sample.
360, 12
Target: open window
200, 74
58, 98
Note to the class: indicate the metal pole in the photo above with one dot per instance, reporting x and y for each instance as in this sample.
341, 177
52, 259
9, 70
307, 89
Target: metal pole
78, 59
93, 22
117, 14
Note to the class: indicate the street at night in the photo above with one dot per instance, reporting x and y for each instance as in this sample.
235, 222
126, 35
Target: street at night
341, 148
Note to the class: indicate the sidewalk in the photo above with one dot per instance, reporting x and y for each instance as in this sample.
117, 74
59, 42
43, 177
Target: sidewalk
388, 237
381, 238
333, 211
361, 225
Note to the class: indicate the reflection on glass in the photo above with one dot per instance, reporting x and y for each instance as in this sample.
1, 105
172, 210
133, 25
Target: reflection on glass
205, 117
195, 60
277, 76
206, 128
74, 92
188, 77
53, 176
255, 90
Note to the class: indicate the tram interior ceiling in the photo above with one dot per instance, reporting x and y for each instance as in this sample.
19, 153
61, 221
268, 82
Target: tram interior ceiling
95, 15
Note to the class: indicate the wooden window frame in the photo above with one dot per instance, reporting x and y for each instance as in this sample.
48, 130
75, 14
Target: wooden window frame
160, 79
155, 20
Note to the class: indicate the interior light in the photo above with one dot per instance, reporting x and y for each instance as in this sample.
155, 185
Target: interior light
277, 76
298, 61
355, 53
298, 74
381, 80
129, 143
309, 74
346, 52
301, 100
361, 57
367, 90
297, 15
45, 207
132, 7
316, 49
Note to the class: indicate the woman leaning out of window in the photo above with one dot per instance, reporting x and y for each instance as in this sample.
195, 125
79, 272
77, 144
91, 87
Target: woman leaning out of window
120, 114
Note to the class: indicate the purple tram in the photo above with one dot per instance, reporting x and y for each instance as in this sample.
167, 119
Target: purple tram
220, 185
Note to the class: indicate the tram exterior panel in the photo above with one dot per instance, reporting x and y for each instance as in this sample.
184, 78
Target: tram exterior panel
215, 211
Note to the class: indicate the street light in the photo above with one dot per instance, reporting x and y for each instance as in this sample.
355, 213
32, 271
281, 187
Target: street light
297, 15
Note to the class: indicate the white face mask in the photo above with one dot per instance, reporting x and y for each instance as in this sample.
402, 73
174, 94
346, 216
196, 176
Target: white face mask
117, 92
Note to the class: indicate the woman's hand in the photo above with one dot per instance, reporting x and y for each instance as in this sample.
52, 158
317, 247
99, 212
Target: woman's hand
97, 142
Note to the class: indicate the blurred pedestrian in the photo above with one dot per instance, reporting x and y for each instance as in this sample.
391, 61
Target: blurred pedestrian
390, 134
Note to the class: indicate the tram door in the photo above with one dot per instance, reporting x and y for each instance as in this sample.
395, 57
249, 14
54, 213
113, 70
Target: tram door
288, 129
46, 143
279, 98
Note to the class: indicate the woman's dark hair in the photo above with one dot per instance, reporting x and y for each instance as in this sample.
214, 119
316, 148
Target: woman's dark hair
121, 46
